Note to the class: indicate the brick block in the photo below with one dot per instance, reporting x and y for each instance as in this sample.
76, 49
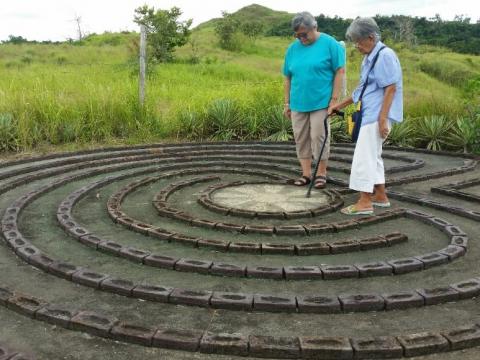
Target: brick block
228, 270
463, 337
93, 323
55, 315
402, 266
264, 272
160, 261
5, 294
331, 272
24, 304
395, 238
276, 249
372, 243
319, 304
274, 347
218, 245
453, 252
302, 272
232, 301
191, 265
134, 254
40, 261
225, 344
272, 303
244, 247
326, 348
89, 278
345, 246
319, 248
62, 269
460, 241
133, 334
432, 259
118, 286
290, 230
384, 347
319, 228
374, 269
187, 340
152, 292
403, 300
467, 289
423, 344
439, 295
190, 297
362, 302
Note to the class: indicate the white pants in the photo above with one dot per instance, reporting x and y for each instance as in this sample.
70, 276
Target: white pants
367, 165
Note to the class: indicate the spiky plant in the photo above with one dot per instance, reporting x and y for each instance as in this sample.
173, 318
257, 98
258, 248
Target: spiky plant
432, 132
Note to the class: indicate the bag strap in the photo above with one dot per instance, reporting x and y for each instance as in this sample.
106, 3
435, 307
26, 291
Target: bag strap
369, 71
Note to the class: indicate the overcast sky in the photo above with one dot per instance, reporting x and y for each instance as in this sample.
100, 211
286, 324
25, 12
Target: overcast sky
53, 19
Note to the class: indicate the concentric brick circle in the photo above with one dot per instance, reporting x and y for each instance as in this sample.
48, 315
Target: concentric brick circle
209, 248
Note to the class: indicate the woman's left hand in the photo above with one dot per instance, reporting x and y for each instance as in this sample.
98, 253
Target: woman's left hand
383, 129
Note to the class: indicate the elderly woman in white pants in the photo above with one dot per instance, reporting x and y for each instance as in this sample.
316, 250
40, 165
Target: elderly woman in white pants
382, 105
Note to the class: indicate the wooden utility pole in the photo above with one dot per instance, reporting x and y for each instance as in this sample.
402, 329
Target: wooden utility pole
143, 66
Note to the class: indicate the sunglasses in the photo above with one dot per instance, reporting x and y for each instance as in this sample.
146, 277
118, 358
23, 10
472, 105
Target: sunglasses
303, 35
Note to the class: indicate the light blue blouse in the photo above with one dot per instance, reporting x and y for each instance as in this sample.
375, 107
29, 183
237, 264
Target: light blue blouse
387, 71
312, 69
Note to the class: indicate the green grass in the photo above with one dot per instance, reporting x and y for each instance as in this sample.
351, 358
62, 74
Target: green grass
82, 94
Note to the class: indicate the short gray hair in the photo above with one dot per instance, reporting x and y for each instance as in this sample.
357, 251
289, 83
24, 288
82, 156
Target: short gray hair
362, 28
304, 19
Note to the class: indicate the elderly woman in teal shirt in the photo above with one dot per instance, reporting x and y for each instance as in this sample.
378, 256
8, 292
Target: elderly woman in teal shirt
382, 105
313, 69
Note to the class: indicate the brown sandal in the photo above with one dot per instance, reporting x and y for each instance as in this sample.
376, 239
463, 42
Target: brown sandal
320, 182
304, 180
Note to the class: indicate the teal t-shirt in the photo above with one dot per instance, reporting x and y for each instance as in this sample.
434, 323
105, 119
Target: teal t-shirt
312, 69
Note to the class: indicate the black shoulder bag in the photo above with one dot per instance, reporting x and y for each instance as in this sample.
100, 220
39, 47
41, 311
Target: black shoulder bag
357, 115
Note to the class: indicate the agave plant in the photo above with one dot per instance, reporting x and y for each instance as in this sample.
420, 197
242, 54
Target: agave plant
277, 126
433, 132
338, 130
401, 134
191, 124
224, 120
466, 133
8, 133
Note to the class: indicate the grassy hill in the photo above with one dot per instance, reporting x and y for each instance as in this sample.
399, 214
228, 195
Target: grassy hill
255, 12
86, 93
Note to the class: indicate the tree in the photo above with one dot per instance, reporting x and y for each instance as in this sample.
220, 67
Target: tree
226, 29
252, 29
406, 29
78, 20
165, 31
12, 39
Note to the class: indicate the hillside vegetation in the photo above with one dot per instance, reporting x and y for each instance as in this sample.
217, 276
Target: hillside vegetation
87, 92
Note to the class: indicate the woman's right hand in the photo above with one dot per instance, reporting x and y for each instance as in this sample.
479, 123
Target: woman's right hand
287, 112
334, 107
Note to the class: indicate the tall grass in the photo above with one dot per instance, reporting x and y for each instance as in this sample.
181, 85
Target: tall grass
60, 94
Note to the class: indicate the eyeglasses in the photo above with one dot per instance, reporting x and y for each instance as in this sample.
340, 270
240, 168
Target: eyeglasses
303, 35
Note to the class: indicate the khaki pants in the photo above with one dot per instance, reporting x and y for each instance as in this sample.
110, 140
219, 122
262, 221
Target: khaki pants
309, 133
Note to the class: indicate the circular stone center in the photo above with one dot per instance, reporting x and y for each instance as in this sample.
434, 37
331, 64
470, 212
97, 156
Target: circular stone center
269, 197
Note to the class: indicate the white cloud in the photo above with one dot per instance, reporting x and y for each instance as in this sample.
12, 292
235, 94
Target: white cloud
53, 19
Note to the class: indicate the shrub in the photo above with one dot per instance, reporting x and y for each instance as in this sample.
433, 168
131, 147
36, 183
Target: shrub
166, 32
401, 134
432, 132
8, 133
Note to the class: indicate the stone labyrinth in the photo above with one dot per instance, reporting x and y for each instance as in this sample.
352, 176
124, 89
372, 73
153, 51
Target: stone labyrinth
206, 251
